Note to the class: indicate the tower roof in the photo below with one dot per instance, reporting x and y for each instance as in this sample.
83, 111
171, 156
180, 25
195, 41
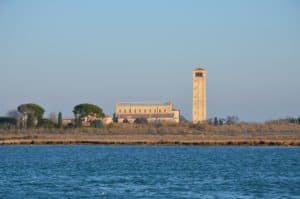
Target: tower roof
199, 68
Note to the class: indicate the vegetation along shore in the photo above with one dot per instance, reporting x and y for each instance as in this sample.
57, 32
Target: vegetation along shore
164, 134
27, 125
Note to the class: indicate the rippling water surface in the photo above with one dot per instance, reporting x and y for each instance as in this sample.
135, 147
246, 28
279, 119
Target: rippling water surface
149, 172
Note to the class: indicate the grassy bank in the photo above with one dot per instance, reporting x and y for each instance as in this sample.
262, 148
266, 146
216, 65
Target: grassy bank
184, 134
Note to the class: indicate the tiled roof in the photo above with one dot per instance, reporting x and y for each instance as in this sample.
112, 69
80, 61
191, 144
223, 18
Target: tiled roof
199, 69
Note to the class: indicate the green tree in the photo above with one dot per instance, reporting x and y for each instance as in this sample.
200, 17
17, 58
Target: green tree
59, 122
33, 112
30, 123
115, 118
141, 121
47, 123
8, 122
97, 124
83, 110
216, 121
126, 121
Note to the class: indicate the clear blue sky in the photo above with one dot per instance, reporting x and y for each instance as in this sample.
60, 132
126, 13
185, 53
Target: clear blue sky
60, 53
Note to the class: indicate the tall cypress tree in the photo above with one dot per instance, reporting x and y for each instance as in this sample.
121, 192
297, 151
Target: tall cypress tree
59, 122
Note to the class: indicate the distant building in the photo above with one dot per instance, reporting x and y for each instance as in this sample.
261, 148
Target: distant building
107, 119
199, 95
87, 120
152, 112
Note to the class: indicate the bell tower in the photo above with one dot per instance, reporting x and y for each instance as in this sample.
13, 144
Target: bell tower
199, 95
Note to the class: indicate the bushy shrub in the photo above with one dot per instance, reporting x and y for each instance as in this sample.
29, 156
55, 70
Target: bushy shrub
47, 123
7, 122
97, 124
141, 121
125, 121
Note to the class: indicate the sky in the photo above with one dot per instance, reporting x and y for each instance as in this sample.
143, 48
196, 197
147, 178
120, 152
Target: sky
61, 53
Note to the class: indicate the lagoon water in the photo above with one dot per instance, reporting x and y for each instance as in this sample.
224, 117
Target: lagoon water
81, 171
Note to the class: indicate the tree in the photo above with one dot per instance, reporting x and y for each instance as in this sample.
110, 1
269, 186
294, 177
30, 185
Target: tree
8, 122
115, 118
141, 121
97, 124
221, 121
59, 121
30, 123
232, 120
82, 110
125, 121
216, 121
47, 123
34, 112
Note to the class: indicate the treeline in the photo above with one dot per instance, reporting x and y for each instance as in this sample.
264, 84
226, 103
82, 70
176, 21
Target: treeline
221, 121
31, 115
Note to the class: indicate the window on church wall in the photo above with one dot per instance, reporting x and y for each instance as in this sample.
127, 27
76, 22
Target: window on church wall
120, 111
129, 110
140, 110
124, 110
145, 110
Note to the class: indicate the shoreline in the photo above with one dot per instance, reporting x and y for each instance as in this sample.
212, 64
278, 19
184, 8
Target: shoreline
146, 139
30, 143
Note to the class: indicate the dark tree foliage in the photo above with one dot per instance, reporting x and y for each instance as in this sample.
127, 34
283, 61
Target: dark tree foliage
125, 121
221, 121
141, 121
30, 121
33, 111
97, 124
46, 123
115, 118
232, 120
216, 121
59, 120
8, 122
31, 108
83, 110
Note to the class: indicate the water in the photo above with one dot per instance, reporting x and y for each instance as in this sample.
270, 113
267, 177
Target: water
149, 172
